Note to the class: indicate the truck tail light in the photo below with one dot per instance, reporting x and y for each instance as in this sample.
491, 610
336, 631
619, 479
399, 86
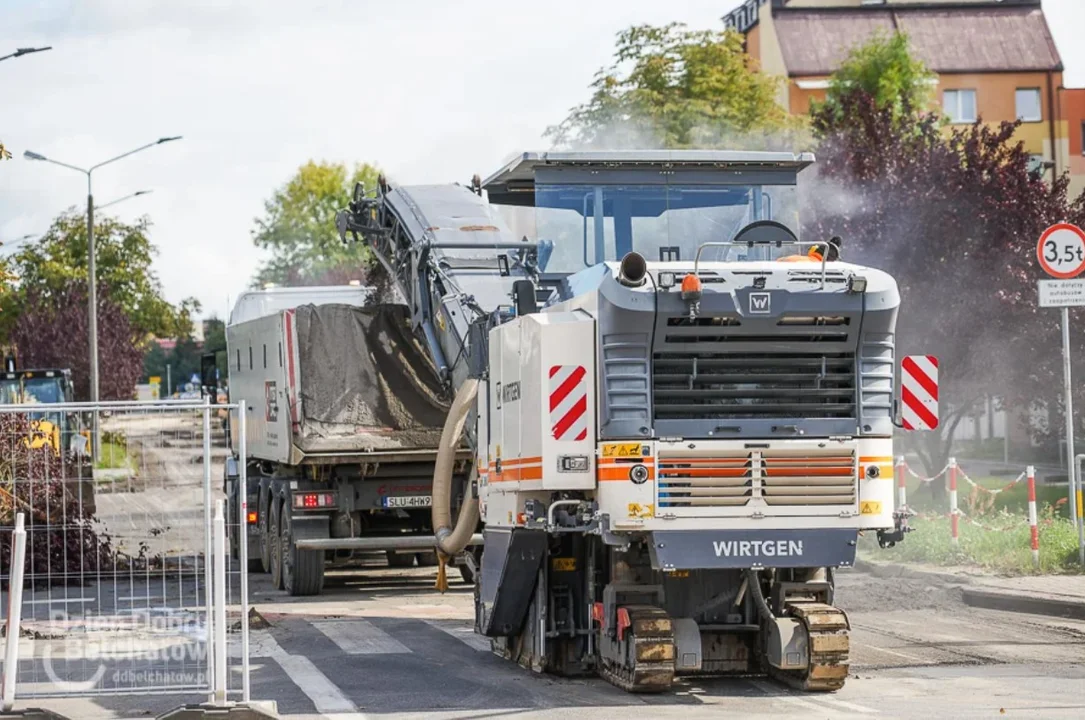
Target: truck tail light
252, 517
313, 500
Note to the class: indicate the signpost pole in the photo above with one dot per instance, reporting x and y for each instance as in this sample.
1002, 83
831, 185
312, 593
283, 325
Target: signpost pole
1069, 407
1061, 254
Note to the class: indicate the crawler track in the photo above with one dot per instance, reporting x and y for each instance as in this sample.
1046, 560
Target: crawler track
648, 662
827, 628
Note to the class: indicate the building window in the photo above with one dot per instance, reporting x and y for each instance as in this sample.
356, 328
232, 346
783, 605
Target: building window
960, 105
1028, 105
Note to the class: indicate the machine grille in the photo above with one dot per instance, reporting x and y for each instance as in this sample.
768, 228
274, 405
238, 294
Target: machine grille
704, 482
690, 484
800, 479
804, 368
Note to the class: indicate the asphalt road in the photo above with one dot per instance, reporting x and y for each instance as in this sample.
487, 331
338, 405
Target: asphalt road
380, 643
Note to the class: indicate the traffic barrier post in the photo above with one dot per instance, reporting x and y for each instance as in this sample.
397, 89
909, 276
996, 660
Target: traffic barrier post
954, 520
1034, 533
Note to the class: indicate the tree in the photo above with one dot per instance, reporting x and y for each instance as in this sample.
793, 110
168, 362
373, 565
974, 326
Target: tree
673, 87
52, 333
214, 341
954, 218
298, 227
124, 254
885, 69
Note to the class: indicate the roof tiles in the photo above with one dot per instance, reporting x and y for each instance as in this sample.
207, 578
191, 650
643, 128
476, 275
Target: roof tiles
958, 39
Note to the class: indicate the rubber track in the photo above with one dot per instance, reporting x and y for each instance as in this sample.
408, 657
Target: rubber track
651, 632
827, 628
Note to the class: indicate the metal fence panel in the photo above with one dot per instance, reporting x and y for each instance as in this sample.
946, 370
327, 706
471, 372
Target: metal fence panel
116, 574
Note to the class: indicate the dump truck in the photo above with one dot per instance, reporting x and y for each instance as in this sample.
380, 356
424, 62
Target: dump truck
680, 410
61, 430
343, 416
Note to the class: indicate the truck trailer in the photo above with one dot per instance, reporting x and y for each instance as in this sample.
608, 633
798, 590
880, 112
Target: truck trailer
343, 415
681, 411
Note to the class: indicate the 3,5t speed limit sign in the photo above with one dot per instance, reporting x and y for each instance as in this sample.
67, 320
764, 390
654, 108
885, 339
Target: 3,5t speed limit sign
1061, 251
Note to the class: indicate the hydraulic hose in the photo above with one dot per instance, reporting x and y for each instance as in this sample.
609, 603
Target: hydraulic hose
453, 539
753, 581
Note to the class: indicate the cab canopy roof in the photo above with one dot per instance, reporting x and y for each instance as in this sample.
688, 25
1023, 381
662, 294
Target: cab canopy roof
514, 184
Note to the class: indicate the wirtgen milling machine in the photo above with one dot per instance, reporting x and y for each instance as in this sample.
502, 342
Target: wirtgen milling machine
682, 413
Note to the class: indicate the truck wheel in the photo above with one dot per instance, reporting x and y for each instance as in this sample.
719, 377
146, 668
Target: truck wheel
303, 570
427, 559
399, 560
265, 539
274, 544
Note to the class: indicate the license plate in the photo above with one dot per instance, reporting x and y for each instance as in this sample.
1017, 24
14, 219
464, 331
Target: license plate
408, 501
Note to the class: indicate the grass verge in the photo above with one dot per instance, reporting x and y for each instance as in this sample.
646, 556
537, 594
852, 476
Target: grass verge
1001, 545
113, 456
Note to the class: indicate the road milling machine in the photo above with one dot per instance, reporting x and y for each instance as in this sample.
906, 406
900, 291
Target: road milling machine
681, 413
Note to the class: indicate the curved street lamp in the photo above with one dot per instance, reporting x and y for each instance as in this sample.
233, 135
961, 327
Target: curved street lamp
92, 282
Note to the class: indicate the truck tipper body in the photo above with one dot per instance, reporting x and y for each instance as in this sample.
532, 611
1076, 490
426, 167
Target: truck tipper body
343, 416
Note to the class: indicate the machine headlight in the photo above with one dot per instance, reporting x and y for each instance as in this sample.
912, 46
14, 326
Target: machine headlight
667, 280
857, 284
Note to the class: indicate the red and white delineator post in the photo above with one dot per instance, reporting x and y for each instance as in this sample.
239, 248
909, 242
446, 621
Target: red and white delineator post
954, 513
1034, 533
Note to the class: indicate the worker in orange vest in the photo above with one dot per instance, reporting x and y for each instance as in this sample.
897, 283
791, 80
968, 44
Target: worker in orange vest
814, 254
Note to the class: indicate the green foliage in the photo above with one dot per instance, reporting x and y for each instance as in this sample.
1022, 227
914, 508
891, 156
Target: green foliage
113, 457
884, 69
298, 227
214, 341
185, 357
124, 255
1002, 545
678, 88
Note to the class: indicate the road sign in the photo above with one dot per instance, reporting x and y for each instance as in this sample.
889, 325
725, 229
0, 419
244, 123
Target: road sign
919, 392
1062, 293
1061, 251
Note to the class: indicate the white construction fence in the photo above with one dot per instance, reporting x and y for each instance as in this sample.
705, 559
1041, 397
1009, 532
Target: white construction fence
109, 572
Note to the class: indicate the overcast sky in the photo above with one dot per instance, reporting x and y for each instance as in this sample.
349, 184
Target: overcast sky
431, 90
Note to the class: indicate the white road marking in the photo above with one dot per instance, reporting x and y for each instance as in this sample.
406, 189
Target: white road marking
917, 660
777, 693
464, 634
325, 695
854, 707
360, 637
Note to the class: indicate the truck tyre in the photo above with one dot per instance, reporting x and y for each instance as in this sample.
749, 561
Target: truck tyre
265, 540
467, 575
302, 570
427, 559
274, 544
399, 560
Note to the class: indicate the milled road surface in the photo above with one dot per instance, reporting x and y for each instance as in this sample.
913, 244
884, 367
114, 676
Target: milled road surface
380, 643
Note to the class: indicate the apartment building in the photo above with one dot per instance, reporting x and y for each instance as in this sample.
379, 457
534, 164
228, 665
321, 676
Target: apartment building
993, 59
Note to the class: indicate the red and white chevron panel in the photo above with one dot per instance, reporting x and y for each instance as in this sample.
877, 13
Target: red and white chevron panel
919, 392
568, 402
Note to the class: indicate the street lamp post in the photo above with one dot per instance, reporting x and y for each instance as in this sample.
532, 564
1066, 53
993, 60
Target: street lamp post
126, 197
92, 277
19, 52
